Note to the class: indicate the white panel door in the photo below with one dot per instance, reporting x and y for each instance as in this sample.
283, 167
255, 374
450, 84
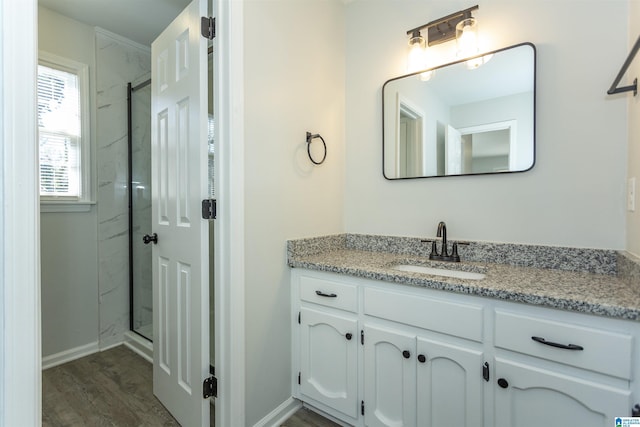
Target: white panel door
528, 396
389, 377
329, 359
450, 385
179, 183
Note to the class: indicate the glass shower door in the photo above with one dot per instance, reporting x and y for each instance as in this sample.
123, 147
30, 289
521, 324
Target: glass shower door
141, 303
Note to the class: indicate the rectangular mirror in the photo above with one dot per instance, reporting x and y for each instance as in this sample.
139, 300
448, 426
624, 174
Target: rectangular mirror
462, 118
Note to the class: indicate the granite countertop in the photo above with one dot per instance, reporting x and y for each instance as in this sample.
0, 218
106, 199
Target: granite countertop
573, 288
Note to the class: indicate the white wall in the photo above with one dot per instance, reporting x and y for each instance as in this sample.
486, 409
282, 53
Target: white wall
294, 82
69, 247
633, 218
575, 193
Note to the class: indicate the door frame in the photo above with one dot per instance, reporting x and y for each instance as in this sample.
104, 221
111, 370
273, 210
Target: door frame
229, 227
20, 330
20, 350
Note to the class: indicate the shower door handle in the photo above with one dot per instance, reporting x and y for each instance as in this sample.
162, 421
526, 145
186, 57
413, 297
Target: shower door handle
148, 239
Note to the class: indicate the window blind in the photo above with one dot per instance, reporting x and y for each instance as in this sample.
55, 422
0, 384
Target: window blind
59, 125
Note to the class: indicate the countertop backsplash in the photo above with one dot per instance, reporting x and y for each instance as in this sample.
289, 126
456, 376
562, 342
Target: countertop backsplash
597, 261
629, 269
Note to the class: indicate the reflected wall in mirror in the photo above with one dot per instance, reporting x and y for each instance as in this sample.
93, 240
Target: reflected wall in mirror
462, 121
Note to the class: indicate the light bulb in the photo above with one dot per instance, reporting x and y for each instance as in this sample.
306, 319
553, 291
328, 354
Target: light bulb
417, 59
467, 37
426, 76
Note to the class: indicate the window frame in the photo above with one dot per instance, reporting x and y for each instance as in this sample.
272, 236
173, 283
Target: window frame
83, 202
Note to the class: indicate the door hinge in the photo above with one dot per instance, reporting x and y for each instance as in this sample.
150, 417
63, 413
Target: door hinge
208, 27
485, 371
210, 387
209, 209
362, 336
362, 407
298, 378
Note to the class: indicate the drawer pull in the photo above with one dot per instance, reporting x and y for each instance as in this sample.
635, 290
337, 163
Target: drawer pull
322, 294
557, 345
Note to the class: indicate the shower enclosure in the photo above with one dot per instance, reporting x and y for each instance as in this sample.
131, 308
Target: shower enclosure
140, 275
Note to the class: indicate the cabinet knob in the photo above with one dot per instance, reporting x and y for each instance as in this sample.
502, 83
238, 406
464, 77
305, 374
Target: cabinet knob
422, 358
349, 336
503, 383
406, 354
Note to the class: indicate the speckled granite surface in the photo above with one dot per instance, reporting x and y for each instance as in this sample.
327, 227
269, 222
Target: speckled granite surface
629, 269
592, 284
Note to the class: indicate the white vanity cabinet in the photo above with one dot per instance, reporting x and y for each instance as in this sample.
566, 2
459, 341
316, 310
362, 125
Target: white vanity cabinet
410, 380
530, 396
422, 360
328, 344
559, 373
371, 353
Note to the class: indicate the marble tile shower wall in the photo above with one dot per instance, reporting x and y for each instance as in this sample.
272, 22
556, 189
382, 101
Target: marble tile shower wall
118, 62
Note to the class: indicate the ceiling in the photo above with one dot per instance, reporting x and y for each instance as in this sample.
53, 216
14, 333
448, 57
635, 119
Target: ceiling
138, 20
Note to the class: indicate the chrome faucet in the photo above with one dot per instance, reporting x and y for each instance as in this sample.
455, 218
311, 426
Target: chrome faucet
443, 254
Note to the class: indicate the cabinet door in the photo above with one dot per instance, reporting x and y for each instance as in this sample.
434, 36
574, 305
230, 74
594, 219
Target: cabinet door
389, 377
450, 385
534, 397
328, 359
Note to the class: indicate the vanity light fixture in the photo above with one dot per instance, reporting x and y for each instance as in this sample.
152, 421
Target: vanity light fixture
443, 29
460, 25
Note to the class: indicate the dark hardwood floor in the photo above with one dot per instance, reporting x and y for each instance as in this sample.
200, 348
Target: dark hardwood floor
113, 388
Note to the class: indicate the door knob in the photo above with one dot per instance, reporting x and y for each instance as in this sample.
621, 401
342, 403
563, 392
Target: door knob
406, 354
148, 239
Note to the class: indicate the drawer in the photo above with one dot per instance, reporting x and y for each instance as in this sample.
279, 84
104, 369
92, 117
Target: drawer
602, 351
460, 320
329, 293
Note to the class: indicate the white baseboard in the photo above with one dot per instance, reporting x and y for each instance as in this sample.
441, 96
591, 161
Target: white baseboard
139, 345
279, 415
69, 355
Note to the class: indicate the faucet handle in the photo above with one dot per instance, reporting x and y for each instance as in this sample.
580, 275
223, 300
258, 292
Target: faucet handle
435, 239
434, 248
454, 252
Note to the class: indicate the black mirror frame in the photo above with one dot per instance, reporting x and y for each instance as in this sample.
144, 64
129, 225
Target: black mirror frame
535, 65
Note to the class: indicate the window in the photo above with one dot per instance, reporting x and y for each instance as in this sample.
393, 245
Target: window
63, 124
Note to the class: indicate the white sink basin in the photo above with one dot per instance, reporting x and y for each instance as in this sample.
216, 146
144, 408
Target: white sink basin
439, 271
